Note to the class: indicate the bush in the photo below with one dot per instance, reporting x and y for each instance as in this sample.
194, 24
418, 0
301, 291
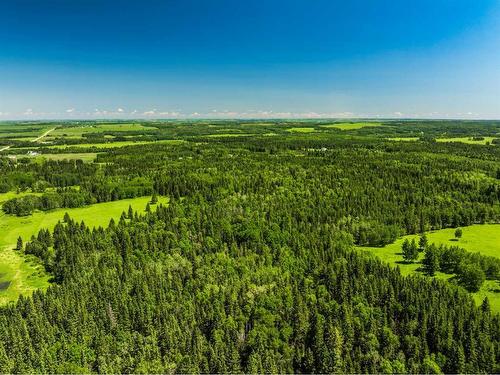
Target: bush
471, 277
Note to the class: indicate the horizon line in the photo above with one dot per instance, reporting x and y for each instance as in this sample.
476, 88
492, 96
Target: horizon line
250, 119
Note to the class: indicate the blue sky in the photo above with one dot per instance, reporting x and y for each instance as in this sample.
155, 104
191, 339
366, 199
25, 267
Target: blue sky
273, 58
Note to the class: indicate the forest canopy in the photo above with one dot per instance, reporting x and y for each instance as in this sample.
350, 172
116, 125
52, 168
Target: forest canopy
252, 265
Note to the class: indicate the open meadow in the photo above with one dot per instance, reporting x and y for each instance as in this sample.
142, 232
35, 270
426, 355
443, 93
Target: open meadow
484, 239
22, 274
351, 125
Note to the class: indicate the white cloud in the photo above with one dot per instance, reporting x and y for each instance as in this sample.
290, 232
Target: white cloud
265, 113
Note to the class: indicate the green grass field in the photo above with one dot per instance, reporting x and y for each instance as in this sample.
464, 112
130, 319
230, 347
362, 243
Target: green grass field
351, 125
22, 131
227, 135
467, 140
12, 194
20, 274
79, 131
404, 139
301, 130
106, 145
484, 239
87, 157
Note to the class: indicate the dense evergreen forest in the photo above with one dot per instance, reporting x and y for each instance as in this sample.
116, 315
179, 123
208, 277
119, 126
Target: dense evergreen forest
252, 266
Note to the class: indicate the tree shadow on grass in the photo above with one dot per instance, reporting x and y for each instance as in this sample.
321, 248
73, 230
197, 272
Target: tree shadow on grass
404, 262
4, 285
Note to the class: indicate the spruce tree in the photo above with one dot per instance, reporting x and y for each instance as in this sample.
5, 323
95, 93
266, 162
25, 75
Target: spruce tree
422, 242
154, 198
410, 250
19, 245
431, 260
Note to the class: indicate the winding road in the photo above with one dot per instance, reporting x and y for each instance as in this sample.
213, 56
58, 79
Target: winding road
37, 139
43, 135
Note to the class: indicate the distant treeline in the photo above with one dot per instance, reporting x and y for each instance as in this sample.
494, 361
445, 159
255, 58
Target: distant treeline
374, 189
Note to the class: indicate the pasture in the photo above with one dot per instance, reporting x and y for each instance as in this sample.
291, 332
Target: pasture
301, 130
86, 157
227, 135
468, 140
351, 125
22, 274
484, 238
404, 139
23, 131
79, 131
106, 145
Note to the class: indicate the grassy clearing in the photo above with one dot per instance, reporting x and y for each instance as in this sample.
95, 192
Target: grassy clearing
301, 130
468, 140
404, 139
101, 145
227, 135
484, 239
23, 132
79, 131
20, 274
106, 145
87, 157
23, 139
351, 125
12, 194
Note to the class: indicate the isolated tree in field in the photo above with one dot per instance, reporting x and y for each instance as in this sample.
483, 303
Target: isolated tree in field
405, 249
410, 250
414, 249
431, 260
422, 242
471, 277
19, 245
154, 198
458, 233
